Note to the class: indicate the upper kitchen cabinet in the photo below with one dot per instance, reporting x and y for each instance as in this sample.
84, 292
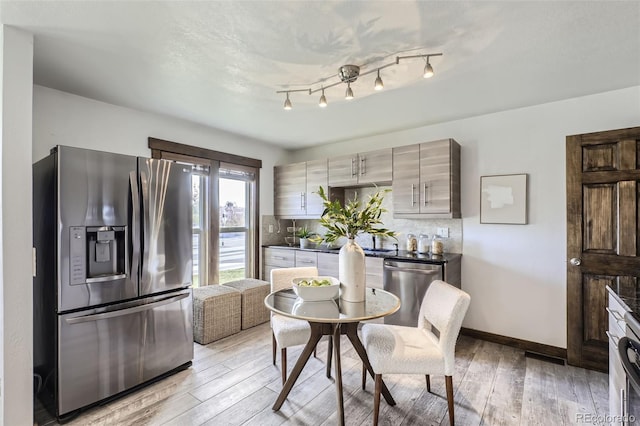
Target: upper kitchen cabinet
295, 187
426, 180
316, 177
360, 169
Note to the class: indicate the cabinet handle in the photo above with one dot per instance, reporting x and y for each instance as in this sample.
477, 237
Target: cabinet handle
363, 166
353, 167
302, 201
413, 201
424, 194
279, 257
306, 261
623, 403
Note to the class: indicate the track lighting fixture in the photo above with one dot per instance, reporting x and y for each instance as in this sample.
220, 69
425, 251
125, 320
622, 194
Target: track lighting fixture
350, 73
323, 100
379, 85
348, 95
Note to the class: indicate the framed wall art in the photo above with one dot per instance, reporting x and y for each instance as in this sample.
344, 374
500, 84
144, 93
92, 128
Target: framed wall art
503, 199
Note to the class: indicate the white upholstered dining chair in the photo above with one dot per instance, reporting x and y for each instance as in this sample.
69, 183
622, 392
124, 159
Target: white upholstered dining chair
285, 331
426, 349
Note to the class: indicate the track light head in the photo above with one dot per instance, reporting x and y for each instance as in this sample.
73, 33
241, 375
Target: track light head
323, 100
428, 70
379, 85
287, 103
349, 93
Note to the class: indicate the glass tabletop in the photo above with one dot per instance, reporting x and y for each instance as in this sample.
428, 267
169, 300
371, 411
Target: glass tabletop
378, 303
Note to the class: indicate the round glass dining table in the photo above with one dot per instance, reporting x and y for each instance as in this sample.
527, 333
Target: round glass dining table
334, 318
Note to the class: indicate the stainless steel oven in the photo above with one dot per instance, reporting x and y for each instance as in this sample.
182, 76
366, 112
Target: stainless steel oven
629, 352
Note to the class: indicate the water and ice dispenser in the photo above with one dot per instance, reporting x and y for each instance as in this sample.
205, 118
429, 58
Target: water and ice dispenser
97, 254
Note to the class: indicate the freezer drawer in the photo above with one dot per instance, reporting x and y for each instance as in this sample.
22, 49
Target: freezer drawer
102, 352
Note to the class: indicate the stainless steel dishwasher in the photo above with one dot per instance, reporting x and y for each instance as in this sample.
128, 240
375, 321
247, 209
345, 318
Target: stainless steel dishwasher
409, 281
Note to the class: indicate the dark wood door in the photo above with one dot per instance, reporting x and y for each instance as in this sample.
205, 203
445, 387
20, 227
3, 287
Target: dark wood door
602, 235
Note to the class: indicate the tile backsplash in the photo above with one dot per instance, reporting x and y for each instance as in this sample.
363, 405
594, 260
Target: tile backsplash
402, 227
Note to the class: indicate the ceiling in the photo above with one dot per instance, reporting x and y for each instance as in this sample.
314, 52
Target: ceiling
220, 63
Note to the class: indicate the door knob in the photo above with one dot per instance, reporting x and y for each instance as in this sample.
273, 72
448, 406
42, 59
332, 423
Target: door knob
575, 261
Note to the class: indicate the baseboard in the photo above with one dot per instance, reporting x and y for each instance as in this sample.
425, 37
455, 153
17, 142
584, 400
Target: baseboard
525, 345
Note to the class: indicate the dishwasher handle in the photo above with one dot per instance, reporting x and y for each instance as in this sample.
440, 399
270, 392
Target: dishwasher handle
435, 270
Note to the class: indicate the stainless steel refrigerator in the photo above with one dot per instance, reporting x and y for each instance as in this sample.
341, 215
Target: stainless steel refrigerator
112, 297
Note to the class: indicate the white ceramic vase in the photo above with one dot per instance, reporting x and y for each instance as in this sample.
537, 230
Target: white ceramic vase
351, 272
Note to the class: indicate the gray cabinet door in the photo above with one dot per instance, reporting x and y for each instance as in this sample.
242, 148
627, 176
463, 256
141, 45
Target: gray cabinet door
316, 177
290, 188
375, 166
328, 264
343, 171
435, 171
406, 179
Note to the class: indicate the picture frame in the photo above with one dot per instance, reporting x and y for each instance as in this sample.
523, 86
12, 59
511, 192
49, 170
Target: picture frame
503, 199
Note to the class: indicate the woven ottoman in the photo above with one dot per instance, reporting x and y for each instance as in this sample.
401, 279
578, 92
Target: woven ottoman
216, 313
253, 292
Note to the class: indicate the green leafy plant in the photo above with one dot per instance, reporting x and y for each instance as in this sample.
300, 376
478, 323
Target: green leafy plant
353, 218
304, 232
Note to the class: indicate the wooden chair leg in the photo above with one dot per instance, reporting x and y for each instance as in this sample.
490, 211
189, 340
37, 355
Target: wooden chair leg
376, 399
428, 383
283, 361
274, 345
329, 355
449, 384
364, 377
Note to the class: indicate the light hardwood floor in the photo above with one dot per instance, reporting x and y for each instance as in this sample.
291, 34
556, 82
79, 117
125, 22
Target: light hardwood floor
233, 382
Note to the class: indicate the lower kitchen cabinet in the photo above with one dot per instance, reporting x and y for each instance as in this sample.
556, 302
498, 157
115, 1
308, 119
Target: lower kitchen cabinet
374, 267
277, 258
306, 258
328, 264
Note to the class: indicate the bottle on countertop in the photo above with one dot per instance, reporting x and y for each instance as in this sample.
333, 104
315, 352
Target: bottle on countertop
424, 243
412, 242
437, 247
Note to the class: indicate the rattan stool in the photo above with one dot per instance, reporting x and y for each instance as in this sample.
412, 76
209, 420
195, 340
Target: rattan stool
253, 292
216, 313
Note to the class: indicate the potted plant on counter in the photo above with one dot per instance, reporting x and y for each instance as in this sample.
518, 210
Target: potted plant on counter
305, 236
348, 221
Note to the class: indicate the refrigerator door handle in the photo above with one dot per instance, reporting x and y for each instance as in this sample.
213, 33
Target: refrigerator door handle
132, 310
144, 221
135, 224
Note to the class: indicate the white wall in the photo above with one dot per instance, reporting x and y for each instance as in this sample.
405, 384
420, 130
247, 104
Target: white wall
16, 319
515, 274
61, 118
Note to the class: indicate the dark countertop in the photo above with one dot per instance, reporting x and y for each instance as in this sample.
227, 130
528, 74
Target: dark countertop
401, 255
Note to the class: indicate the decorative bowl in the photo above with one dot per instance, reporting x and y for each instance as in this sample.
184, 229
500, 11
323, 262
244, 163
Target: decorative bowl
311, 293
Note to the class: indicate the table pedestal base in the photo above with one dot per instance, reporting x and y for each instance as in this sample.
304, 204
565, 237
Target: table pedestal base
318, 329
